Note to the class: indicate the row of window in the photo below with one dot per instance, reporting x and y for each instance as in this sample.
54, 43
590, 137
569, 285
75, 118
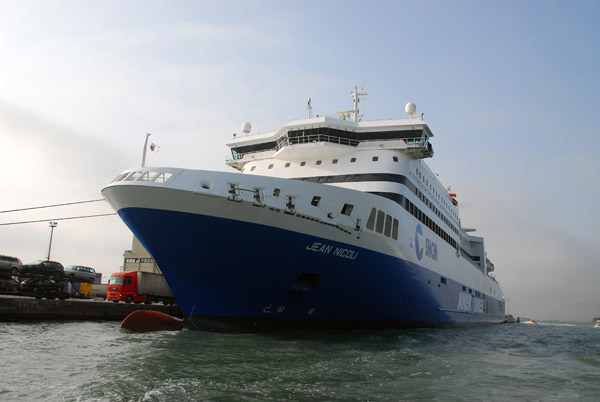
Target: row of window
328, 134
385, 177
348, 178
157, 177
435, 210
442, 199
140, 260
417, 213
383, 223
319, 162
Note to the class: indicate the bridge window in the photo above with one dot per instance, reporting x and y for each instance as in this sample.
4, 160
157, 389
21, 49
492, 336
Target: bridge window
388, 226
380, 222
315, 201
352, 160
302, 163
375, 158
371, 220
318, 163
334, 161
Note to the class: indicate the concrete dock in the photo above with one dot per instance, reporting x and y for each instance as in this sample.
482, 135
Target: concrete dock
23, 308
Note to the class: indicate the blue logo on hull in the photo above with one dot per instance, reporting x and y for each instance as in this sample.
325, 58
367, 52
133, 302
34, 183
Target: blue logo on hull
418, 231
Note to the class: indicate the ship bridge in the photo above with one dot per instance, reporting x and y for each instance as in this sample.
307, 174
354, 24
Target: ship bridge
321, 136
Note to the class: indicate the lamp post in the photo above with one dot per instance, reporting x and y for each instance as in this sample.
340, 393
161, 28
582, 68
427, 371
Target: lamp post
52, 226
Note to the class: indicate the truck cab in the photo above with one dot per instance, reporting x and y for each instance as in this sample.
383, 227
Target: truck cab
123, 286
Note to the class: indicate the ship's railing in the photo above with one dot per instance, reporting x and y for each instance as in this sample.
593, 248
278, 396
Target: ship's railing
414, 143
313, 138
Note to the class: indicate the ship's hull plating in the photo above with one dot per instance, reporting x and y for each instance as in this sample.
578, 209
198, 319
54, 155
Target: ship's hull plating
231, 274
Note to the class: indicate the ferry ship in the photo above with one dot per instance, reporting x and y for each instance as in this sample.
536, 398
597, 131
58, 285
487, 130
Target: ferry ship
326, 223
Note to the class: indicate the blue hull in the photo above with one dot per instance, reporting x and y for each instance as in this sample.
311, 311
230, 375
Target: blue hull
228, 274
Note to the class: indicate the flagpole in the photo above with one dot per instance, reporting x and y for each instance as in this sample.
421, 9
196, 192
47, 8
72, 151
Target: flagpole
145, 148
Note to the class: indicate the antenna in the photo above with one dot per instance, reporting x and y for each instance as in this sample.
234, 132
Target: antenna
355, 95
309, 107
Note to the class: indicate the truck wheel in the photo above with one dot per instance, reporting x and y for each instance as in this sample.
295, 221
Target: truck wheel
129, 299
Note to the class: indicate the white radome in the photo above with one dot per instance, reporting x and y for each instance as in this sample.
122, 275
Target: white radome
410, 108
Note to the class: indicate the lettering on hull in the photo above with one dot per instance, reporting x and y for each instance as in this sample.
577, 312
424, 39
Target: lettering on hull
467, 302
332, 250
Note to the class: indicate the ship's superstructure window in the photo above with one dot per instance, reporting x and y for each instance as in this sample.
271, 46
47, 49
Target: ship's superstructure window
347, 209
318, 163
334, 161
315, 201
417, 213
380, 221
392, 196
162, 177
270, 166
133, 176
395, 229
302, 163
383, 223
253, 168
276, 192
371, 220
375, 158
287, 165
395, 158
388, 226
352, 160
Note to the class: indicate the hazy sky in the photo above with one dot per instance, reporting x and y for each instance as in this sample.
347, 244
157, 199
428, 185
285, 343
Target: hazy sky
509, 88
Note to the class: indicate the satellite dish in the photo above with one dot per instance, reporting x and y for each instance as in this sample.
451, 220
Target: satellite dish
410, 108
247, 127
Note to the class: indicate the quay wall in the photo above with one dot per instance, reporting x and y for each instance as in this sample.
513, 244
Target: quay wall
22, 308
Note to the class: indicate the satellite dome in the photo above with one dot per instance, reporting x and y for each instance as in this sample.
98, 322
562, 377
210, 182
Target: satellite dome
410, 108
247, 127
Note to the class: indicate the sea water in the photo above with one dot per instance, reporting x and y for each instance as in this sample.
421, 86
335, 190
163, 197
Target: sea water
98, 361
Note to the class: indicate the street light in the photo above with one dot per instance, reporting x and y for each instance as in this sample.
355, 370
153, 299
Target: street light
52, 226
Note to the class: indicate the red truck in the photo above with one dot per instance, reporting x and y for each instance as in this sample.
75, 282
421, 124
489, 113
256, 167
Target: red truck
139, 287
